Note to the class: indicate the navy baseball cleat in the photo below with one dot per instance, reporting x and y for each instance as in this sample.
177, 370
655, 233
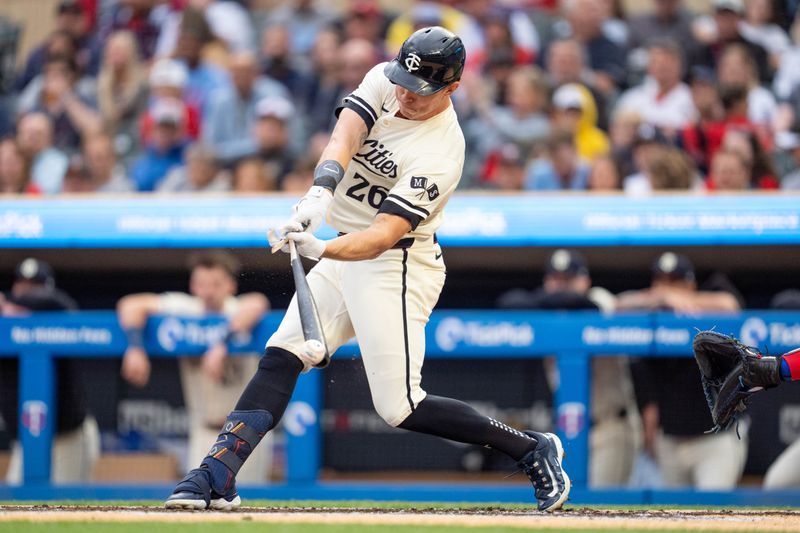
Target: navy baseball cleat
194, 492
542, 465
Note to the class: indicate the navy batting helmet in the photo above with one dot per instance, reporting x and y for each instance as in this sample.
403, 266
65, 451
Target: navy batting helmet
430, 60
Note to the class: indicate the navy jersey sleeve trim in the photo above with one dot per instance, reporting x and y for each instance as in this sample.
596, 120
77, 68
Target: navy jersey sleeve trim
363, 110
393, 208
414, 208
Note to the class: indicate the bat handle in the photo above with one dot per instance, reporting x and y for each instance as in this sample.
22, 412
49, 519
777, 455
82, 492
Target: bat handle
292, 250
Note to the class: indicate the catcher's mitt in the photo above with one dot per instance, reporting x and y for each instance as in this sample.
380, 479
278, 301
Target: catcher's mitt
731, 372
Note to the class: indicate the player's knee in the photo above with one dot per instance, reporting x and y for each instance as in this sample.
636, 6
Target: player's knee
392, 409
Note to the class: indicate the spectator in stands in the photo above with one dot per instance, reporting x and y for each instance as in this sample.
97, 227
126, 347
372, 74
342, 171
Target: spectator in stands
745, 143
669, 392
574, 111
122, 91
66, 99
787, 77
281, 62
204, 78
303, 20
605, 57
729, 172
505, 27
566, 63
604, 174
523, 121
324, 88
724, 30
703, 139
76, 446
759, 27
671, 170
271, 133
15, 169
560, 169
614, 430
791, 181
300, 178
427, 13
136, 16
211, 383
509, 169
70, 38
623, 134
232, 111
364, 19
103, 171
252, 176
648, 144
48, 164
662, 100
736, 69
166, 149
668, 20
168, 79
201, 173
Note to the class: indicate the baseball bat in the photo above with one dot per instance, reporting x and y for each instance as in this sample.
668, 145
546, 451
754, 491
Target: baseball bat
309, 316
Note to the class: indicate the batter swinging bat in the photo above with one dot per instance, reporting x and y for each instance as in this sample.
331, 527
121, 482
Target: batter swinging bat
315, 345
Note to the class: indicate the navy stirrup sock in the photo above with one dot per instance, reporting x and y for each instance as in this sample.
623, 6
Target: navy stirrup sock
242, 431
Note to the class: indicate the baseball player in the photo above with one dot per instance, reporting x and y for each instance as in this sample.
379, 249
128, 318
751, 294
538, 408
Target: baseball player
211, 384
76, 443
392, 163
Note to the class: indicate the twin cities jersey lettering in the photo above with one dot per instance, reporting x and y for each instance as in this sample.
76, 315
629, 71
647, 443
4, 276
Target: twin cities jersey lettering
405, 167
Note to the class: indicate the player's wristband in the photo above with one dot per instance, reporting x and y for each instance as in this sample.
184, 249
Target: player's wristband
328, 174
135, 337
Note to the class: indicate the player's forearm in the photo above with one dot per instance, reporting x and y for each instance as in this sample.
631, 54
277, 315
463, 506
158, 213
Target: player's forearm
133, 311
722, 302
637, 301
358, 246
252, 307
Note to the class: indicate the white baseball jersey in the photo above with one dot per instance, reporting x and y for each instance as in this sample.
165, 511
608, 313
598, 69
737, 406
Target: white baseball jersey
405, 167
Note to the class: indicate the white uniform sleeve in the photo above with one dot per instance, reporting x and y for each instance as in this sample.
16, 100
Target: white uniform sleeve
422, 191
367, 100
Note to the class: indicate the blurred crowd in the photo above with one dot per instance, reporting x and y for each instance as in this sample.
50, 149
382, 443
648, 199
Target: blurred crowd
215, 95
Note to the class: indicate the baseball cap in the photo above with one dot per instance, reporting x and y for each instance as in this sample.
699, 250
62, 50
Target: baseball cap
737, 6
168, 111
274, 107
41, 299
673, 266
569, 262
36, 271
568, 97
168, 73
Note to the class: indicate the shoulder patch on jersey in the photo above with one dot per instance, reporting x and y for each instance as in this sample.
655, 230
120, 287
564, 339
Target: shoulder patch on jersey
419, 182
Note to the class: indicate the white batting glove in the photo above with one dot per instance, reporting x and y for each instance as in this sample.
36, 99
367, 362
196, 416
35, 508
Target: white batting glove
307, 245
277, 238
310, 211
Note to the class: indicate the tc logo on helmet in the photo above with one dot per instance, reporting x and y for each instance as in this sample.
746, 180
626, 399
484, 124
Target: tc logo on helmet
412, 62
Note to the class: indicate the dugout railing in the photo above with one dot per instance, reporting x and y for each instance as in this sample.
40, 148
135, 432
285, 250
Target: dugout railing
572, 337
